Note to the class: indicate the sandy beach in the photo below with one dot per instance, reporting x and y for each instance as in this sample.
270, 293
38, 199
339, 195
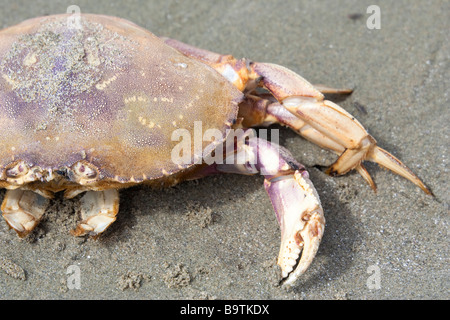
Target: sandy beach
218, 238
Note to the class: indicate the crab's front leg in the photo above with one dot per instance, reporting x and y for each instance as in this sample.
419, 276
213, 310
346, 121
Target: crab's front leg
294, 199
323, 118
318, 120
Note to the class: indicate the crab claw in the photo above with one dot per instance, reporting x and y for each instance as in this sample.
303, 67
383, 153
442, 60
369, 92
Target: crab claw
293, 196
300, 215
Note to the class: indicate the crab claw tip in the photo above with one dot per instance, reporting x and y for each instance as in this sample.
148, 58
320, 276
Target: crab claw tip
301, 220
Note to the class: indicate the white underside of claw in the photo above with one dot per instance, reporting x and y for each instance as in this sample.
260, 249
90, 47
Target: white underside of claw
302, 226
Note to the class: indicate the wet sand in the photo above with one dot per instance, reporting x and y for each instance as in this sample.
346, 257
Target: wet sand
217, 238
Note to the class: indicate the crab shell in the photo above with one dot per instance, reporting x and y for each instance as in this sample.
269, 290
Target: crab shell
95, 104
91, 103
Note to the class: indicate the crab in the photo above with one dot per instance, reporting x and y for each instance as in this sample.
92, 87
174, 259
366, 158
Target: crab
92, 107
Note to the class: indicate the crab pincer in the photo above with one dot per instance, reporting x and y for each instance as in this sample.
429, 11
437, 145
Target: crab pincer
294, 199
101, 107
301, 219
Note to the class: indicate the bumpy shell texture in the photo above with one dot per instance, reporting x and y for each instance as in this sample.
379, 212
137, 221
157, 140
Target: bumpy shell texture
104, 91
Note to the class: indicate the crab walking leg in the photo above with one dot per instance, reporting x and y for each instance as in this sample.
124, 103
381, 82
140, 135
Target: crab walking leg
328, 90
326, 122
23, 209
98, 211
294, 199
258, 111
307, 103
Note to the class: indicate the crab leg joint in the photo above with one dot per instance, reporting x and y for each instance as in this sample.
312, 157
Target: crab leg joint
293, 196
92, 110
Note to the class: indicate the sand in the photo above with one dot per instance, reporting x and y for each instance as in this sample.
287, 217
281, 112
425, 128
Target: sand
217, 238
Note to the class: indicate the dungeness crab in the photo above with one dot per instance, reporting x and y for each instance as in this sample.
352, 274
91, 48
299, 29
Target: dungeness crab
92, 107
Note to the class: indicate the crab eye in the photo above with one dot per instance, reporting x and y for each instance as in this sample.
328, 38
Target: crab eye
84, 170
17, 169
